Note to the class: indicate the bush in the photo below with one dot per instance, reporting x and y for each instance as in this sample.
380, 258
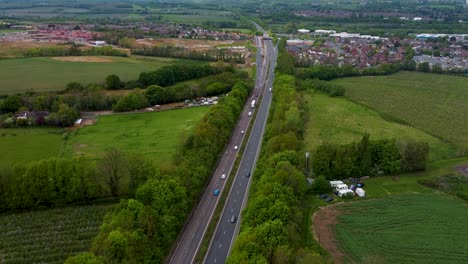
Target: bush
321, 185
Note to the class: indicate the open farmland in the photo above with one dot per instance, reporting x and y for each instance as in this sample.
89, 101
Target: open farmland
433, 103
47, 74
341, 121
407, 228
48, 236
153, 134
26, 144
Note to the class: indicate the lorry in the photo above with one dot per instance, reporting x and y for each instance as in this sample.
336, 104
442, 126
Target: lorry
252, 104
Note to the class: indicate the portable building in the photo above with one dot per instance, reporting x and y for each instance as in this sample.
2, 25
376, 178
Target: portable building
344, 192
333, 184
360, 192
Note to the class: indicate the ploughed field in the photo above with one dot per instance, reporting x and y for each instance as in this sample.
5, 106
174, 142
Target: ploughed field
53, 74
406, 228
434, 103
48, 236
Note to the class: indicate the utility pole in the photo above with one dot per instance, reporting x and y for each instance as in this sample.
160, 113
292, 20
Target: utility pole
307, 155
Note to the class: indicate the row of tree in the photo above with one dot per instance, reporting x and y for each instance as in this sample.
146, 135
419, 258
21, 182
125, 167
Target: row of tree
59, 181
369, 158
329, 88
192, 54
272, 221
143, 229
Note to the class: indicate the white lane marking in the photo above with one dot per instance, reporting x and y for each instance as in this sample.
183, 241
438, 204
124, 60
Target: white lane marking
219, 245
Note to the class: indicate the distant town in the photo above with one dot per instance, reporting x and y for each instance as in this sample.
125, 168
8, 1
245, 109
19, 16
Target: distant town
328, 47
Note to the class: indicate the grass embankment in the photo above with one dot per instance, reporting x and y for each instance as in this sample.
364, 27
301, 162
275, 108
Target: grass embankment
340, 121
27, 144
48, 236
48, 74
430, 102
416, 228
153, 134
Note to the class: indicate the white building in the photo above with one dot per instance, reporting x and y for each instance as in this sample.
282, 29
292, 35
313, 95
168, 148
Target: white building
304, 31
325, 32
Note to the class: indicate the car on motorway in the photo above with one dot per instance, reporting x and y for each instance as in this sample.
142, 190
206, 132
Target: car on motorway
248, 174
242, 131
236, 147
216, 192
270, 89
233, 219
250, 113
223, 176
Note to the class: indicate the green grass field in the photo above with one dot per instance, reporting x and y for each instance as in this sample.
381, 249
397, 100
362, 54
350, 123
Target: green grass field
433, 103
341, 121
26, 144
155, 135
45, 74
407, 228
48, 236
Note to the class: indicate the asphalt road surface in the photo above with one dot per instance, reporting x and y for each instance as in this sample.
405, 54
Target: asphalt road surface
226, 230
190, 240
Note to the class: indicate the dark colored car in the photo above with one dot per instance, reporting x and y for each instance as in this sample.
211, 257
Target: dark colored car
248, 174
216, 192
329, 199
360, 185
233, 219
323, 196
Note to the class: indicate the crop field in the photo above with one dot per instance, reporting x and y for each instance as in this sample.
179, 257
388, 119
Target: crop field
26, 144
153, 134
48, 236
433, 103
47, 74
407, 228
341, 121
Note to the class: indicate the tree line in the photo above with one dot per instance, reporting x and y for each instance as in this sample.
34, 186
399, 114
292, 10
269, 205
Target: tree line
369, 158
272, 224
143, 229
179, 52
73, 50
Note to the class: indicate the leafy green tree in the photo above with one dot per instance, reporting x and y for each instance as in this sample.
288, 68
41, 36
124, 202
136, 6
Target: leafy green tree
117, 244
11, 104
113, 82
84, 258
321, 185
424, 67
414, 155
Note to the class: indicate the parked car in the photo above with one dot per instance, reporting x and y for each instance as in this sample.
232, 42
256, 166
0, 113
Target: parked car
216, 192
323, 196
329, 199
223, 176
233, 219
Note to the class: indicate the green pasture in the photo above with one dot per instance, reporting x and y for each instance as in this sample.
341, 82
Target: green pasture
46, 74
340, 121
26, 144
406, 228
430, 102
153, 134
49, 236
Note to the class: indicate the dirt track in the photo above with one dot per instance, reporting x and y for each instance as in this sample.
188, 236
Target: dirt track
84, 59
324, 222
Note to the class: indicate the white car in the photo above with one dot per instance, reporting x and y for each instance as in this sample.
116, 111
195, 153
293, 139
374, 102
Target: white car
242, 131
235, 147
250, 113
223, 176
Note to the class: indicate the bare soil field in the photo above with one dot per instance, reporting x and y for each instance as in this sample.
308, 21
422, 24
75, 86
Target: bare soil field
84, 59
198, 44
324, 221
